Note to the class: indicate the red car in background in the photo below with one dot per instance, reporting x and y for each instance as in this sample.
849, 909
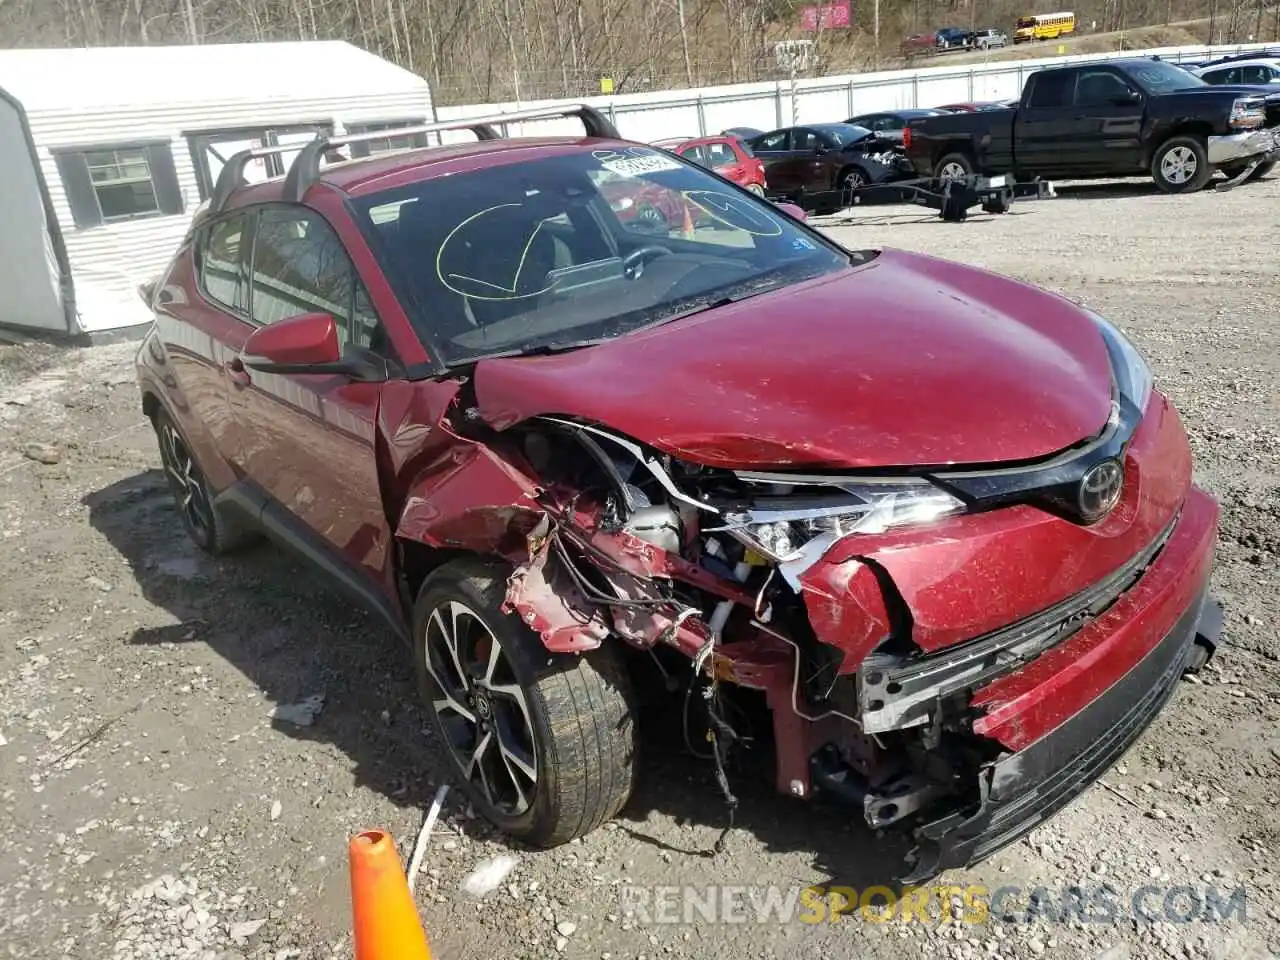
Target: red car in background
727, 156
975, 106
659, 211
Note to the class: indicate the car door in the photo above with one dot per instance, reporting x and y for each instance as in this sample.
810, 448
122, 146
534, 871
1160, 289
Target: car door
307, 441
200, 309
816, 158
1106, 132
772, 149
1044, 128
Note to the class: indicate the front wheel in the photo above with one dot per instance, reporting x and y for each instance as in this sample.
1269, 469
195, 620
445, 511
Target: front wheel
1181, 165
544, 744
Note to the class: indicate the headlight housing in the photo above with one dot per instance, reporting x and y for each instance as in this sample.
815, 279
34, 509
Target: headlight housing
781, 532
1134, 382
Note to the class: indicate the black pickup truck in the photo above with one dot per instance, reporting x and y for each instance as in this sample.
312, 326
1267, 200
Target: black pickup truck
1116, 118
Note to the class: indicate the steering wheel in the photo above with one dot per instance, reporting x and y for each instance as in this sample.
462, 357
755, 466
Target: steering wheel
633, 263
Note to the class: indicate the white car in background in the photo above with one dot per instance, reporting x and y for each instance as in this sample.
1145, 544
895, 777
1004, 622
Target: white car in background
989, 39
1253, 72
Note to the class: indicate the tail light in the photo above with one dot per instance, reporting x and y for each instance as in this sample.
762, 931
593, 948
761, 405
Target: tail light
906, 137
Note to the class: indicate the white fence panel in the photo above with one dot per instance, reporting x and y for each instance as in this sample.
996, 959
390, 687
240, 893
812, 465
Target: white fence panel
767, 106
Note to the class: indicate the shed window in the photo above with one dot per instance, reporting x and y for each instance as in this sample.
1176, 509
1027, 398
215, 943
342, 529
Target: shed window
109, 184
365, 148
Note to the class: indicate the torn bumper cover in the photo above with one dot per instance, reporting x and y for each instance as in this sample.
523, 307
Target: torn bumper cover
1163, 626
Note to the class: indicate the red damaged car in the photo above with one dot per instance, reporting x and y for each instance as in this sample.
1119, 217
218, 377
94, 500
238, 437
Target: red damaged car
939, 520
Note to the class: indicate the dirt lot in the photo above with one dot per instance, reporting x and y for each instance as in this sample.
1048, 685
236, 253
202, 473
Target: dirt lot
154, 808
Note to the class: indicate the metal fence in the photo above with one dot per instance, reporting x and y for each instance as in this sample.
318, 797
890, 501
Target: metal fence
769, 105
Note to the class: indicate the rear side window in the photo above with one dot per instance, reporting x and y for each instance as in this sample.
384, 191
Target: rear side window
219, 253
720, 155
1052, 88
300, 266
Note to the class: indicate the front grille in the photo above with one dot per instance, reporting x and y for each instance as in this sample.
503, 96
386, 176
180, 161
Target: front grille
895, 693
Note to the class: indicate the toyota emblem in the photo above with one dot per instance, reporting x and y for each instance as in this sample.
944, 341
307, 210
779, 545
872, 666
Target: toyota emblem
1100, 489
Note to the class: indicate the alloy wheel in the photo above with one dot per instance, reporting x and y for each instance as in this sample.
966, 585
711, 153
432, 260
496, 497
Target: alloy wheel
187, 482
1178, 165
951, 171
650, 220
854, 181
481, 707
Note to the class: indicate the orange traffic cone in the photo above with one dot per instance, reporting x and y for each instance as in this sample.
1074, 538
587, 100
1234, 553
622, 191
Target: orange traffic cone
384, 919
686, 228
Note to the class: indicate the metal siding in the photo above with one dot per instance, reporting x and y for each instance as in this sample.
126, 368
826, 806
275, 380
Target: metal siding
109, 261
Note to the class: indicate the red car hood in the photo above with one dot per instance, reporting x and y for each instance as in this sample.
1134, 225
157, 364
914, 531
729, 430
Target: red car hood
908, 360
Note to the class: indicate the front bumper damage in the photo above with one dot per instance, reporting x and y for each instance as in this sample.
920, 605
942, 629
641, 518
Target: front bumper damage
1026, 788
1263, 145
1074, 709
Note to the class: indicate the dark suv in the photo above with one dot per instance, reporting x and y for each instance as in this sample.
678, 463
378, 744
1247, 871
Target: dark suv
941, 523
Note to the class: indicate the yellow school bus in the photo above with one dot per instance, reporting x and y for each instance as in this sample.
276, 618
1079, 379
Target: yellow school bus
1044, 26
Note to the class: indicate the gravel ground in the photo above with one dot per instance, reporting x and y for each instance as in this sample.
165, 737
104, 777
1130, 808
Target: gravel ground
156, 809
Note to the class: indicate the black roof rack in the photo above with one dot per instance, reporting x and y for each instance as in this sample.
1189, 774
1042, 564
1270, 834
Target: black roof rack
305, 169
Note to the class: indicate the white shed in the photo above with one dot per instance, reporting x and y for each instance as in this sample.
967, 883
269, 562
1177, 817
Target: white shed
108, 151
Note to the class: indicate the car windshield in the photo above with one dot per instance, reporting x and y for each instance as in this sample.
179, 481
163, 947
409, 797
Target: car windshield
843, 133
573, 249
1156, 76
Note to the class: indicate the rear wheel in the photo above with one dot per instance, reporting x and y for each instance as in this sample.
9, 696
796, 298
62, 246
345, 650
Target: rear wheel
1181, 165
544, 744
954, 166
209, 530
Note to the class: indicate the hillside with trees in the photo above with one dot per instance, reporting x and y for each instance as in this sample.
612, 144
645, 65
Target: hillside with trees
498, 50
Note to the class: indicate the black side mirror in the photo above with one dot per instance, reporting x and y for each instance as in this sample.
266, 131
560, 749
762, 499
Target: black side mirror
1127, 98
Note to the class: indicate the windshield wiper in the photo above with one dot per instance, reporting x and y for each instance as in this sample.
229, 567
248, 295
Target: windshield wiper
535, 350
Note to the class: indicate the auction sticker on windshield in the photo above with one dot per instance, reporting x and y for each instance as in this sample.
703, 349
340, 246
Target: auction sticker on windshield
634, 162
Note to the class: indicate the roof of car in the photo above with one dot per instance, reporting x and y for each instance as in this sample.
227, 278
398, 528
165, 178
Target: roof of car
384, 171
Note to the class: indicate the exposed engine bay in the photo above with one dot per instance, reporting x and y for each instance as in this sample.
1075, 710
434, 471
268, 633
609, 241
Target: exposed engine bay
717, 564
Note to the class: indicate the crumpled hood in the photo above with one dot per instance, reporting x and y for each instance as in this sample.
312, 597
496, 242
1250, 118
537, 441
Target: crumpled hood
907, 360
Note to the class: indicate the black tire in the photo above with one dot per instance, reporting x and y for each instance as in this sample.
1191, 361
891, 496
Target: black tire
959, 163
205, 524
1181, 165
579, 738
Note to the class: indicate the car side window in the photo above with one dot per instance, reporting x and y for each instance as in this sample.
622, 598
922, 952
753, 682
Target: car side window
219, 251
720, 155
773, 141
1256, 74
300, 266
1099, 88
806, 140
695, 155
1223, 76
1052, 88
886, 124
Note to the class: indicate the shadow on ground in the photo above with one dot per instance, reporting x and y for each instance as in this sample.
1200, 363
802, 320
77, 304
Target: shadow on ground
292, 635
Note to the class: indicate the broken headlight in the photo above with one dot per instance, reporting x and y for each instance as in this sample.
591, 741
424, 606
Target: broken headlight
781, 526
1133, 376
